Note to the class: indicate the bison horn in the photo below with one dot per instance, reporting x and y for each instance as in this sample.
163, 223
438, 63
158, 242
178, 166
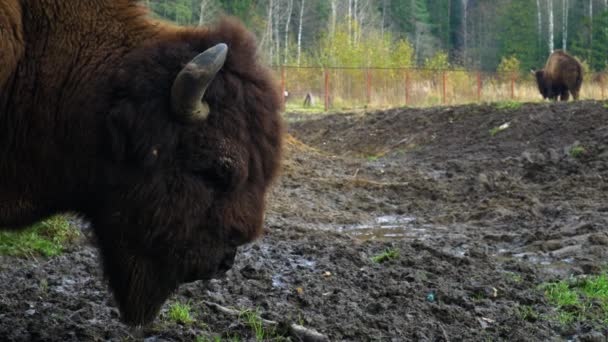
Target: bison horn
192, 82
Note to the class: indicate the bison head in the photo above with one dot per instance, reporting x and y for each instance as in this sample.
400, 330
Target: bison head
541, 83
193, 140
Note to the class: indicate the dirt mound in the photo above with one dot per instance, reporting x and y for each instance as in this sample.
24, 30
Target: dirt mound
468, 132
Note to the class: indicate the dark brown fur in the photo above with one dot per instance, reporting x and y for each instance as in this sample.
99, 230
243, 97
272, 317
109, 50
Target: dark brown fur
86, 126
562, 74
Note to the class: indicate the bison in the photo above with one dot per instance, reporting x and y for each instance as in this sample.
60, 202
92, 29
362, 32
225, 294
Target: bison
562, 74
166, 139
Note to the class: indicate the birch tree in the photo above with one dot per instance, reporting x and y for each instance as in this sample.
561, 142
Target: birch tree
356, 20
287, 22
208, 10
539, 23
333, 17
349, 18
590, 24
565, 25
277, 37
551, 36
302, 3
267, 38
465, 5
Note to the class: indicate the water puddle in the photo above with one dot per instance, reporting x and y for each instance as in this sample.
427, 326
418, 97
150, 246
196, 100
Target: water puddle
386, 228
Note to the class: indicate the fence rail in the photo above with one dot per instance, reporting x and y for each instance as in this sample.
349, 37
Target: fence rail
346, 88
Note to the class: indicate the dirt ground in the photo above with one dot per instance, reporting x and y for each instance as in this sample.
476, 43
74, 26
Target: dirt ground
479, 221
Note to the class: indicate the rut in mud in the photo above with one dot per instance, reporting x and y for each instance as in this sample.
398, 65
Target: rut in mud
481, 204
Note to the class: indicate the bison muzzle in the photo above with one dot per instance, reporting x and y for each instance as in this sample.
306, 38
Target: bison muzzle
165, 138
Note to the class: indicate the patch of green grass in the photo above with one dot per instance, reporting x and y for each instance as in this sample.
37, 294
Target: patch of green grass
576, 151
516, 277
527, 313
478, 296
386, 255
252, 318
372, 158
583, 299
606, 105
180, 313
507, 105
46, 238
298, 107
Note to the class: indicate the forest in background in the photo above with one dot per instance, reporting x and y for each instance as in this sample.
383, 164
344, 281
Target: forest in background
486, 35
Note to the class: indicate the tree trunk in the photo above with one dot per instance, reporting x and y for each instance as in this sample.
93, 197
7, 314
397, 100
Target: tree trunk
540, 24
550, 9
357, 23
350, 16
287, 22
209, 9
269, 32
302, 2
590, 27
277, 37
565, 25
465, 5
449, 19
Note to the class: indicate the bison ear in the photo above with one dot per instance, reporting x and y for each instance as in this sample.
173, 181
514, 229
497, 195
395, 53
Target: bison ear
532, 71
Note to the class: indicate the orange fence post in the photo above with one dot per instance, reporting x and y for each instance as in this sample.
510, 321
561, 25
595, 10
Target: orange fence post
326, 90
445, 81
369, 86
478, 86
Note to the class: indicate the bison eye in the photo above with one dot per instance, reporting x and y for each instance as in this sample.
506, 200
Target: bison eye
155, 152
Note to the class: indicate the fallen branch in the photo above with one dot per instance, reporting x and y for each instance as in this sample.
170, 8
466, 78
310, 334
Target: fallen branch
302, 333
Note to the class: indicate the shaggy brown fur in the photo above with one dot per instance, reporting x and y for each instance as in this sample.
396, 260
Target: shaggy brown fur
86, 126
562, 74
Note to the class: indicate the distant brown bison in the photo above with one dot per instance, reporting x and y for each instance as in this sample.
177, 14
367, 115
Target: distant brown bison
166, 139
562, 74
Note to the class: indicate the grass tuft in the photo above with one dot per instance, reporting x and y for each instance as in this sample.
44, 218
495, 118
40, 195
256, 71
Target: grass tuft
180, 313
386, 255
527, 313
46, 238
577, 151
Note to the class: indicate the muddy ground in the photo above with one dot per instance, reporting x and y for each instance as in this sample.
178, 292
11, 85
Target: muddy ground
479, 220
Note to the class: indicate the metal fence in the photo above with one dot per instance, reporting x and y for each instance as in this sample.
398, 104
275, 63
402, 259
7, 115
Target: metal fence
346, 88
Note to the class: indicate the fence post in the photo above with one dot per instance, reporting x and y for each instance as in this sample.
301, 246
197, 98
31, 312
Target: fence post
478, 86
512, 86
326, 90
283, 84
369, 86
445, 81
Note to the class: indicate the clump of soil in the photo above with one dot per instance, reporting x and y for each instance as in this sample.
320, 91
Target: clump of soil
478, 219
